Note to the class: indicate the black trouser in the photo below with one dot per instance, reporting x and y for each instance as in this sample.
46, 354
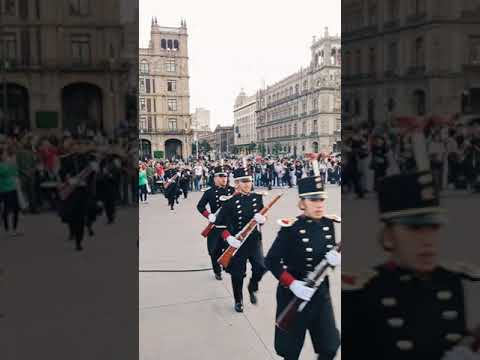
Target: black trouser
143, 192
253, 252
215, 245
10, 206
317, 318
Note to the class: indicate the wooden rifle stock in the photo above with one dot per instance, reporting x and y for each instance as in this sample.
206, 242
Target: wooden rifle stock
289, 314
66, 189
227, 255
171, 180
210, 226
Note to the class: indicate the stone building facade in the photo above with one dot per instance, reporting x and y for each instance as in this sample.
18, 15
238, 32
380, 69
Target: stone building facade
301, 113
64, 65
245, 133
164, 94
201, 120
223, 141
410, 57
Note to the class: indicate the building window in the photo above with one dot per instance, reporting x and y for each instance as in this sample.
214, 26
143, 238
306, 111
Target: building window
142, 104
153, 86
79, 7
163, 44
143, 123
80, 49
372, 61
372, 12
8, 46
392, 56
147, 86
172, 104
144, 67
348, 63
149, 123
171, 85
305, 85
142, 85
475, 50
418, 7
358, 62
170, 65
149, 105
175, 44
296, 89
419, 52
315, 126
315, 104
172, 124
393, 9
8, 7
169, 44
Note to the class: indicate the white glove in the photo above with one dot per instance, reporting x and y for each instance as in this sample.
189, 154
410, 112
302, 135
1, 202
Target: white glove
73, 181
333, 257
233, 241
461, 352
212, 218
260, 219
301, 290
94, 165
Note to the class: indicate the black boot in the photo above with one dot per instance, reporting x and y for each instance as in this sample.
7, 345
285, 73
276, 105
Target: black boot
237, 286
252, 289
218, 276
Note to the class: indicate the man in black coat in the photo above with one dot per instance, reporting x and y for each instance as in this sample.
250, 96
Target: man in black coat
213, 199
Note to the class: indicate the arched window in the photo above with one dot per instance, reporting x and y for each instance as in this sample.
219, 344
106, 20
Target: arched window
419, 102
175, 44
169, 44
163, 44
144, 67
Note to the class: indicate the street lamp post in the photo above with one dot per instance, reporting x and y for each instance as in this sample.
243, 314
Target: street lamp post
5, 66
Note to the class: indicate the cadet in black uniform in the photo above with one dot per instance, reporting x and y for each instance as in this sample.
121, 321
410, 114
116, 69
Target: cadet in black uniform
410, 307
75, 209
300, 246
171, 186
234, 215
212, 196
184, 181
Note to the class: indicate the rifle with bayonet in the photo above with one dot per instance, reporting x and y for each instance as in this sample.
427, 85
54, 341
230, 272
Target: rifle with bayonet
287, 317
242, 236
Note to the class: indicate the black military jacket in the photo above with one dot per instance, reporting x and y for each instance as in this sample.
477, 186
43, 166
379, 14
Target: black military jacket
238, 211
391, 313
212, 198
300, 245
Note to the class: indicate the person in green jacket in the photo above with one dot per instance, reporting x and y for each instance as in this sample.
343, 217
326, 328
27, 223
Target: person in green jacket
142, 183
8, 191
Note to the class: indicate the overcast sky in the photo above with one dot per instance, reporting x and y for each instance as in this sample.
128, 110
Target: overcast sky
238, 44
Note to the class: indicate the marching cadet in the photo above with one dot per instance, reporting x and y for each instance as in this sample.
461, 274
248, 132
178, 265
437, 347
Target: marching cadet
301, 244
74, 210
212, 197
234, 215
410, 307
172, 186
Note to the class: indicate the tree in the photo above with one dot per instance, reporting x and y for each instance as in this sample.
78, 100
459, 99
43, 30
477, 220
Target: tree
261, 149
204, 146
277, 148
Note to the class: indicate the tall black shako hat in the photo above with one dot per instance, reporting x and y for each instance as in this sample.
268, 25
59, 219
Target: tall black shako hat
241, 173
312, 187
410, 199
221, 170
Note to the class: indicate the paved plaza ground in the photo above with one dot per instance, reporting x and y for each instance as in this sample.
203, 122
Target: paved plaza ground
189, 315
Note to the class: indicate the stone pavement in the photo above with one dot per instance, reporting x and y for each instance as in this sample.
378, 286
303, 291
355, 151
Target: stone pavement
189, 315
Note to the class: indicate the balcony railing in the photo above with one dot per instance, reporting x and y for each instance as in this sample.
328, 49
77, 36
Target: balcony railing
391, 24
417, 18
416, 70
165, 132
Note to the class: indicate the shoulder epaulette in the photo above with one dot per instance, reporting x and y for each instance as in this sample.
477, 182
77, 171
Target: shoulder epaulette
334, 218
467, 271
286, 222
351, 281
205, 189
262, 193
